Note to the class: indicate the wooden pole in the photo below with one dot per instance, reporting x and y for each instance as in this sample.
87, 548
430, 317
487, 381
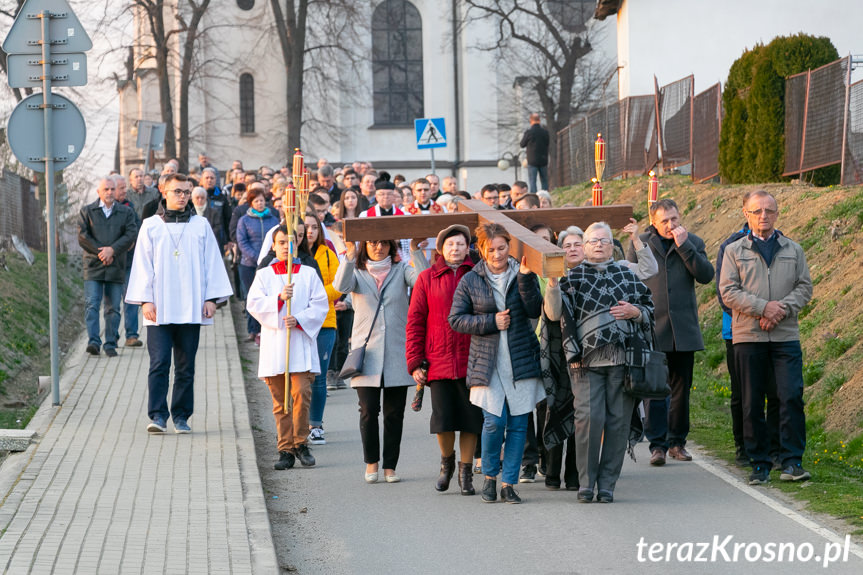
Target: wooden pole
291, 219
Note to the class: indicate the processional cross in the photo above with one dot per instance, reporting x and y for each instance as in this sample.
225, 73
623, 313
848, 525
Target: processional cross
543, 258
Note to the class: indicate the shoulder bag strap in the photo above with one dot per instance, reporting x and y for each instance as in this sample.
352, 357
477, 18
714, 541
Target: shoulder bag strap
377, 311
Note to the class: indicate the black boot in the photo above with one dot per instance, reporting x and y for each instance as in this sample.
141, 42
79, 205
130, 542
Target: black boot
465, 478
489, 490
286, 461
447, 468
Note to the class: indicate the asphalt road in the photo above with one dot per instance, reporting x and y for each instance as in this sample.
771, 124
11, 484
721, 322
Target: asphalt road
326, 519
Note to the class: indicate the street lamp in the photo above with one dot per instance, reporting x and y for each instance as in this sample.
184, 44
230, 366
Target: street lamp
508, 159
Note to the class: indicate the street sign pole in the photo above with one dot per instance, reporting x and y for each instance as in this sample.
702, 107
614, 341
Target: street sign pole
47, 108
149, 127
432, 158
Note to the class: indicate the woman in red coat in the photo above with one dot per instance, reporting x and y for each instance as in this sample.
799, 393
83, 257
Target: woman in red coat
437, 356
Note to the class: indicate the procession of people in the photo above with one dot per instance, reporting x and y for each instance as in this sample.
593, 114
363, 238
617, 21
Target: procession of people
524, 372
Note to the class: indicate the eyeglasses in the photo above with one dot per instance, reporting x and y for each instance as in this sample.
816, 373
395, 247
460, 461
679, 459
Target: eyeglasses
757, 213
180, 193
603, 241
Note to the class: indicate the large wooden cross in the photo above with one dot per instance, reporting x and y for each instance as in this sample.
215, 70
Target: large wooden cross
543, 258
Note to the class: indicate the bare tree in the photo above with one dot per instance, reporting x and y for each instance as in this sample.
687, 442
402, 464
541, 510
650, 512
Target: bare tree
544, 43
188, 17
314, 35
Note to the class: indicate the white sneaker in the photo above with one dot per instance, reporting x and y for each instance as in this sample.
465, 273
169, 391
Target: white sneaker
316, 436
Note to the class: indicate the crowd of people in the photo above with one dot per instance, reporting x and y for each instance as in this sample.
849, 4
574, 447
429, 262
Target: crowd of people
530, 374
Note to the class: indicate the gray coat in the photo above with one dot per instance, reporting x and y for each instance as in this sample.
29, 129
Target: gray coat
677, 326
385, 352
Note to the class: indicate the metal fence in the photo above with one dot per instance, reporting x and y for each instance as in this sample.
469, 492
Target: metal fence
634, 128
20, 211
852, 159
820, 96
706, 127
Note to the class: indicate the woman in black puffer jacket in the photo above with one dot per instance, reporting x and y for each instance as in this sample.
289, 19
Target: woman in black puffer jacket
495, 303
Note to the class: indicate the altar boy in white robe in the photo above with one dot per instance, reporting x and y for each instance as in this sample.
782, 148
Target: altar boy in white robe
309, 307
177, 278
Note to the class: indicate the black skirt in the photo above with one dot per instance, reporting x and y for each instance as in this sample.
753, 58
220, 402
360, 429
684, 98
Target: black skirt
452, 409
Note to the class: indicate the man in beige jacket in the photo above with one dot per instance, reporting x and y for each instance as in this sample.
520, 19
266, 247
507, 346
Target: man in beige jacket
765, 281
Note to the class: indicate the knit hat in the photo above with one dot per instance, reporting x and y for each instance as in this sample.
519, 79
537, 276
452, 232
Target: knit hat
451, 231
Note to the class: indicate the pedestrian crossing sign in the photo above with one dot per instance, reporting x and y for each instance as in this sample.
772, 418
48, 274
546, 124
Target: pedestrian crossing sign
431, 133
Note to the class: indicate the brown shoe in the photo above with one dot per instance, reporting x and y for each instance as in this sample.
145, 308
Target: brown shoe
657, 457
133, 342
679, 453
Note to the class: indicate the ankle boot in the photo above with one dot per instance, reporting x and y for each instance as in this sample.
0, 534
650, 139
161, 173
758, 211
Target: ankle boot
465, 479
447, 468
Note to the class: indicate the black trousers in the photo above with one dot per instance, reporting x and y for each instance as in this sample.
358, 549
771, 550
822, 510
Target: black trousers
344, 325
394, 401
737, 403
534, 449
667, 423
786, 359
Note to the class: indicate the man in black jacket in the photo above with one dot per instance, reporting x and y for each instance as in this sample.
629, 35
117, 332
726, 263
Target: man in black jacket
535, 141
106, 231
682, 261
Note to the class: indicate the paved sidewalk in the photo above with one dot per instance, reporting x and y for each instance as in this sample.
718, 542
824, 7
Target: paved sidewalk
98, 494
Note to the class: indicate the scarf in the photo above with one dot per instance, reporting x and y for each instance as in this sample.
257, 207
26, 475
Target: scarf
200, 211
261, 214
379, 270
590, 332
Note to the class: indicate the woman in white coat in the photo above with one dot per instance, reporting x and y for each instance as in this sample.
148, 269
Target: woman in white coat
376, 277
309, 306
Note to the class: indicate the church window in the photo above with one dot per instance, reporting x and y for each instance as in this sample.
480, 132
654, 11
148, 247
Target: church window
247, 104
397, 63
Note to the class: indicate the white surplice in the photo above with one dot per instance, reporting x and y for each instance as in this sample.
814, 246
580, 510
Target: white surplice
177, 267
309, 305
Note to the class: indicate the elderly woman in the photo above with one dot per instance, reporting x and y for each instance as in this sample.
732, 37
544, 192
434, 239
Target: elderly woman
251, 229
378, 280
437, 356
544, 199
494, 303
602, 305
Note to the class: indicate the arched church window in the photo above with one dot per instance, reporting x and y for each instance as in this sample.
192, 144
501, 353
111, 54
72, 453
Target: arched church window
397, 63
247, 104
246, 4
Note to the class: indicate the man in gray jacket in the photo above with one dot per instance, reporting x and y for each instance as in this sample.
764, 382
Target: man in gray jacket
106, 230
765, 281
682, 261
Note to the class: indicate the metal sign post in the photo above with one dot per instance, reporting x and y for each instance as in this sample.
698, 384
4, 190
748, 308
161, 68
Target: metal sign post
58, 28
431, 134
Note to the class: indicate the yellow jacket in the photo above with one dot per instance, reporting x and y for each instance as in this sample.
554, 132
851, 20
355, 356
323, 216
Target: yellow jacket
328, 262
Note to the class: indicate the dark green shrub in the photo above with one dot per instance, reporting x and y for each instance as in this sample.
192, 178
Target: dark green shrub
752, 142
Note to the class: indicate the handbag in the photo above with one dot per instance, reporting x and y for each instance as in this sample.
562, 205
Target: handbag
646, 370
354, 361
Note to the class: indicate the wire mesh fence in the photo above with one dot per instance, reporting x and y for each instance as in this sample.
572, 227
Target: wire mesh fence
675, 122
706, 126
21, 215
852, 161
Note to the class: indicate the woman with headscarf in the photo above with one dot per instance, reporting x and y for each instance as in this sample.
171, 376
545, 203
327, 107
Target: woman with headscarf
437, 357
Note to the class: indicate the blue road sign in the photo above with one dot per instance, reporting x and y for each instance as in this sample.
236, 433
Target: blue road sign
431, 133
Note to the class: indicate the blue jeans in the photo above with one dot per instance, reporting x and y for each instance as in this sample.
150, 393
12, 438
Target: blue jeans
110, 295
494, 428
532, 171
130, 310
247, 276
326, 339
181, 339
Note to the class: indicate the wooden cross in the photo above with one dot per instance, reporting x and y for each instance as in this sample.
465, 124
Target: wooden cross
543, 258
